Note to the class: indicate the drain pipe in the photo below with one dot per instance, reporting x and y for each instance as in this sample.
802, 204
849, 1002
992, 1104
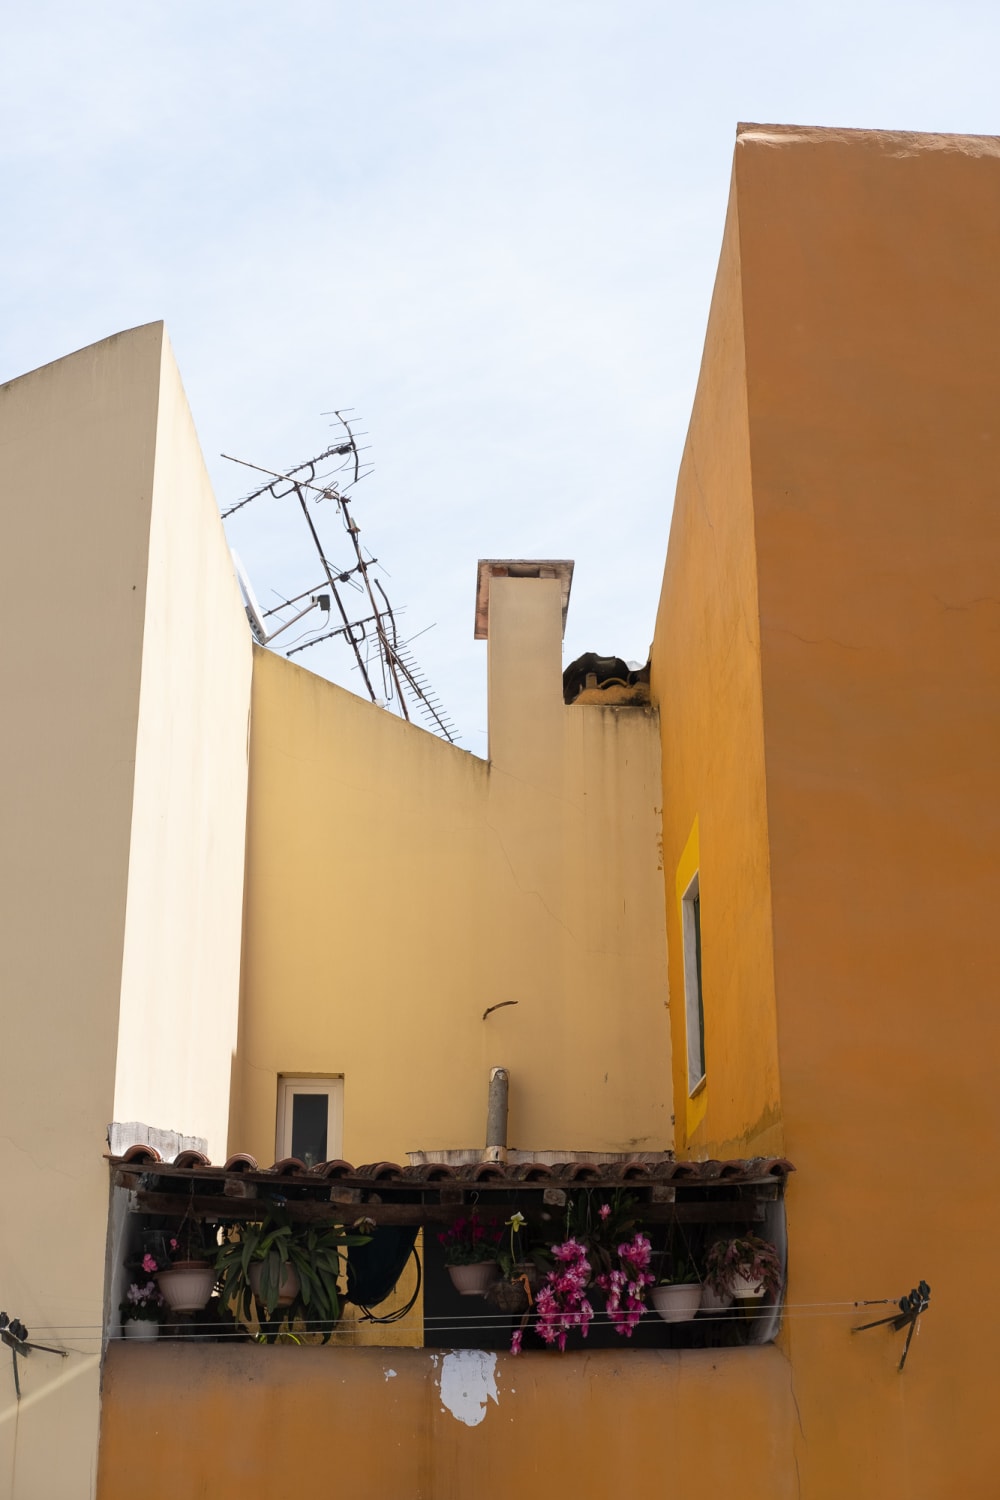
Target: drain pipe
496, 1116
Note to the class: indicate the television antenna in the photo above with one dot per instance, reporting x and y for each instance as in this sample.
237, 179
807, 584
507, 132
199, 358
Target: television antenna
367, 626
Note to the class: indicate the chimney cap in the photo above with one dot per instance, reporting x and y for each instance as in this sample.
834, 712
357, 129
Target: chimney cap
514, 567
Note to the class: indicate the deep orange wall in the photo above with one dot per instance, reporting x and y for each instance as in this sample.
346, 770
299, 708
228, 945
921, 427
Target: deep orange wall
230, 1423
871, 311
706, 680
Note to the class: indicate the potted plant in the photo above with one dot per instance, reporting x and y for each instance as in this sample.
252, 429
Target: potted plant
603, 1252
746, 1266
141, 1310
182, 1263
678, 1296
274, 1272
514, 1292
470, 1254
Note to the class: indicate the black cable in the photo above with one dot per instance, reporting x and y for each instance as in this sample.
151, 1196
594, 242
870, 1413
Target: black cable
401, 1312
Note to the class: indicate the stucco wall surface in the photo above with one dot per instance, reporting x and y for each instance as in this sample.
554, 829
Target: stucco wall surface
871, 303
706, 681
398, 887
76, 448
221, 1422
126, 691
181, 962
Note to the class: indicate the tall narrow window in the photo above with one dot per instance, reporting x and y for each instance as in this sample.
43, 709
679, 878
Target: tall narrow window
310, 1119
694, 1009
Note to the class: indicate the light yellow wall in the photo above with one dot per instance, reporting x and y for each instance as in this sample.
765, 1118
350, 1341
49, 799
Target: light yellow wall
397, 887
184, 911
102, 764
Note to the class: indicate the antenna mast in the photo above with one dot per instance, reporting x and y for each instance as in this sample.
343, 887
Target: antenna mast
372, 637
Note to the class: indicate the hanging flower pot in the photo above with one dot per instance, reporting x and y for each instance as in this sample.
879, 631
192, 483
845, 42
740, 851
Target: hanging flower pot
745, 1289
187, 1286
746, 1265
516, 1292
475, 1279
288, 1284
677, 1303
713, 1301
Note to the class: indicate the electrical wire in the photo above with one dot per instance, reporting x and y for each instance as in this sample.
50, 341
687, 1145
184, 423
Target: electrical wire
438, 1325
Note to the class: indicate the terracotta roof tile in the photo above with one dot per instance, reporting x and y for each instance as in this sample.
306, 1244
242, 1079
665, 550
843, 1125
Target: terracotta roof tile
638, 1171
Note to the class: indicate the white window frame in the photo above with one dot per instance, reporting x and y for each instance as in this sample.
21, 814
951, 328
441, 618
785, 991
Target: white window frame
288, 1086
694, 1009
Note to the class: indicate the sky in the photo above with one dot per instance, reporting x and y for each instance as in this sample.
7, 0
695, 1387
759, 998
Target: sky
492, 231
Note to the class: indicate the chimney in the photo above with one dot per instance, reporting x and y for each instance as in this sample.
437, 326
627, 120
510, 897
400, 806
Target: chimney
521, 611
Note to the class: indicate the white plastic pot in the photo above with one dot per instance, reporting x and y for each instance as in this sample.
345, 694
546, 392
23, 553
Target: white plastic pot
476, 1279
677, 1304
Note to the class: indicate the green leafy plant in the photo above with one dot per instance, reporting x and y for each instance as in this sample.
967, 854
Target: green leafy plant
680, 1262
187, 1241
600, 1222
680, 1270
744, 1255
275, 1243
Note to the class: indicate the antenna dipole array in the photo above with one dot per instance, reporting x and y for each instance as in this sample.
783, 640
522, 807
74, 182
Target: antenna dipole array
379, 651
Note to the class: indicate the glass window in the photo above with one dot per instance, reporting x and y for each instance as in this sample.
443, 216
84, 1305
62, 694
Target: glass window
310, 1119
693, 1004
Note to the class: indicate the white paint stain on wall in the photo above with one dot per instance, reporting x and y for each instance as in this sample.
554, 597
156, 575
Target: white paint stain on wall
468, 1381
390, 1374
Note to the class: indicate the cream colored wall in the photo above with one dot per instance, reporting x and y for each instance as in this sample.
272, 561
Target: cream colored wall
184, 912
102, 767
397, 887
77, 443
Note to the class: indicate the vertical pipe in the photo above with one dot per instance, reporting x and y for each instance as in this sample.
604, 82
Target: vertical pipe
496, 1116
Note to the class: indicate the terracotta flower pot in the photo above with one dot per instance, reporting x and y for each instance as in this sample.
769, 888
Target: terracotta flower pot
187, 1285
476, 1279
288, 1286
140, 1328
677, 1304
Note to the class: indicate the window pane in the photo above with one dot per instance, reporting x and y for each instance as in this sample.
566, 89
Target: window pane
309, 1120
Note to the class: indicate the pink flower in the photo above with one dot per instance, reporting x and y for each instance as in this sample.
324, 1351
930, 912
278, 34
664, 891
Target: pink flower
605, 1210
148, 1263
561, 1304
515, 1343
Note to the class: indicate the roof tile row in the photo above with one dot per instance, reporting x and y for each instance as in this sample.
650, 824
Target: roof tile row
387, 1172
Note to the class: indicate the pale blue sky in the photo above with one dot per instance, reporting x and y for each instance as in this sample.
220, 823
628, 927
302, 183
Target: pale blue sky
491, 229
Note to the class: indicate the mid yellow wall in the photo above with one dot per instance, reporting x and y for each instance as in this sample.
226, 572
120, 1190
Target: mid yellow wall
398, 887
706, 681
